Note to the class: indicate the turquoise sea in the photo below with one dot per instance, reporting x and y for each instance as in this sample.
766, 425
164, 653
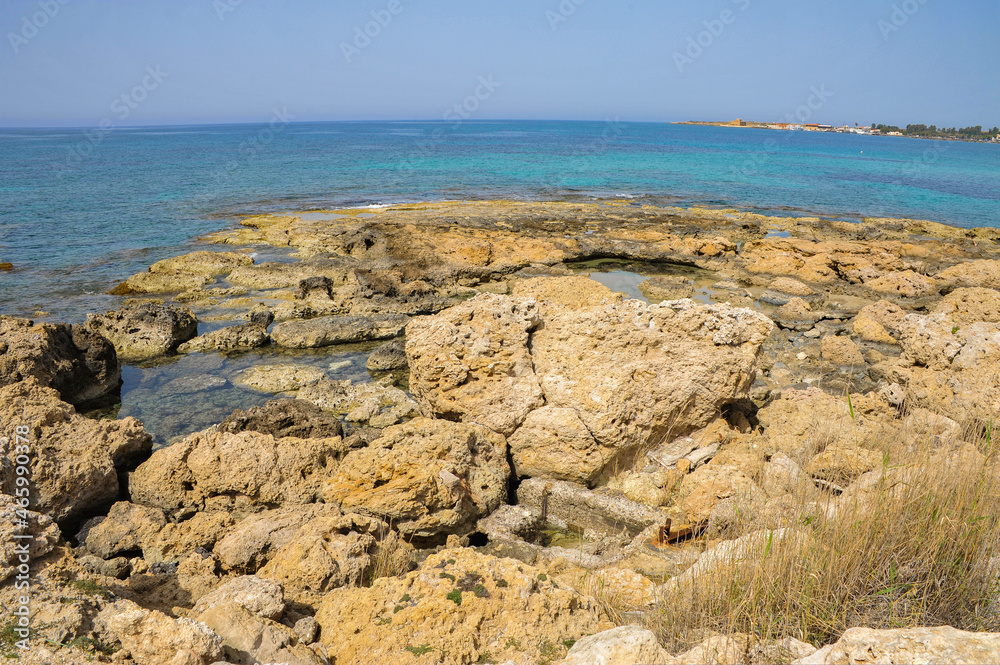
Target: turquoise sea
82, 209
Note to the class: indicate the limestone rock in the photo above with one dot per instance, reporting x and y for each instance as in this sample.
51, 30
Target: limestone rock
930, 340
665, 287
232, 338
841, 464
328, 330
472, 361
153, 638
970, 305
841, 351
360, 402
221, 471
631, 372
79, 364
944, 644
74, 460
702, 490
251, 639
887, 314
783, 289
983, 273
796, 314
905, 284
493, 608
44, 534
389, 356
625, 645
284, 417
429, 477
126, 529
264, 598
164, 281
144, 330
279, 378
203, 263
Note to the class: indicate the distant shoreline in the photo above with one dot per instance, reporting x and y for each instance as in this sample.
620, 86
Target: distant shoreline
812, 127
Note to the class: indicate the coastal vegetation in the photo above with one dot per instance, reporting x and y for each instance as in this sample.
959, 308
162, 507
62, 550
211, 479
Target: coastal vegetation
976, 133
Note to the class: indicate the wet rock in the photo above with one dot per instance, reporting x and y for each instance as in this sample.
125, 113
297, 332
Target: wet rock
75, 461
502, 606
279, 378
389, 356
666, 287
6, 266
144, 330
44, 535
222, 471
284, 417
328, 330
322, 286
185, 385
942, 644
233, 338
264, 598
362, 402
164, 281
79, 364
150, 635
983, 273
430, 477
841, 351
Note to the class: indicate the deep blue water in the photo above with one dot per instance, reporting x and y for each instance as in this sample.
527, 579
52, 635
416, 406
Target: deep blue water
81, 210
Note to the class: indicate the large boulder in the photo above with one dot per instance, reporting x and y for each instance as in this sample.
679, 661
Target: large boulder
265, 598
232, 338
329, 330
249, 638
625, 645
472, 607
428, 477
79, 364
944, 644
581, 386
242, 471
144, 330
74, 461
983, 273
284, 417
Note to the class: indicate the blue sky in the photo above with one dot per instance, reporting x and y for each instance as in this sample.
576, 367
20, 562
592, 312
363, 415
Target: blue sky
78, 62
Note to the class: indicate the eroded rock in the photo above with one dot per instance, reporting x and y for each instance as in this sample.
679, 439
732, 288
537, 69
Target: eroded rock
144, 330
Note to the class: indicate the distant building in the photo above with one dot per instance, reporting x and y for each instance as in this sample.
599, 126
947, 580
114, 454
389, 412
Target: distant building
739, 123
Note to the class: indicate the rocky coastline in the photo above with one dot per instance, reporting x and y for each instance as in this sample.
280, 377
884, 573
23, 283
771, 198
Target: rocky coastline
585, 426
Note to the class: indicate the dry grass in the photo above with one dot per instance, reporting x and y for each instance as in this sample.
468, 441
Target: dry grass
918, 544
392, 557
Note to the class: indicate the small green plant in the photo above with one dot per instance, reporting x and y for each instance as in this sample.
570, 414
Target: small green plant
480, 591
569, 643
405, 598
548, 652
512, 643
383, 621
542, 577
90, 588
954, 330
501, 583
455, 595
451, 562
420, 650
485, 658
7, 639
397, 608
447, 576
91, 645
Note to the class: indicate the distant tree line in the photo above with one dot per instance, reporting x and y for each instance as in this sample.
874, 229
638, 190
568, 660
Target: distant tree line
932, 131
